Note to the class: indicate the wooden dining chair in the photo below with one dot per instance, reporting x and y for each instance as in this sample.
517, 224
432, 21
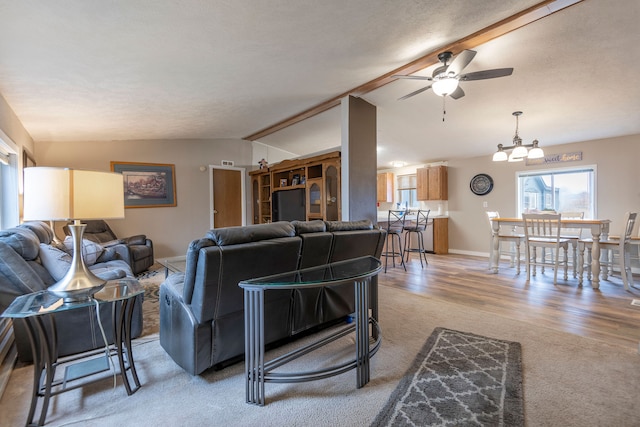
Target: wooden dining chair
573, 235
513, 239
543, 231
620, 246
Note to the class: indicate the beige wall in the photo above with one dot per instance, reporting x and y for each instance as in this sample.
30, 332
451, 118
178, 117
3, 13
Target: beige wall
617, 186
170, 228
618, 189
19, 139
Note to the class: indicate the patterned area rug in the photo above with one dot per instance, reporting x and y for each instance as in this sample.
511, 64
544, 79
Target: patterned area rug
151, 280
459, 379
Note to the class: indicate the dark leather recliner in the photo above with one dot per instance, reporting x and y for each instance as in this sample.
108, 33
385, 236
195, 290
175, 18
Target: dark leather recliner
202, 309
139, 249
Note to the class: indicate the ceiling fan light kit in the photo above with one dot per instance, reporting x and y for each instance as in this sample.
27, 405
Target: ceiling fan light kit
446, 78
519, 150
444, 86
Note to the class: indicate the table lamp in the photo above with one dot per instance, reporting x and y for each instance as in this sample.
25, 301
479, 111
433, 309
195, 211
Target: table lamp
57, 194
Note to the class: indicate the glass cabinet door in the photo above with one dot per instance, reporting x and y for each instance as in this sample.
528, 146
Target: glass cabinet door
315, 199
332, 211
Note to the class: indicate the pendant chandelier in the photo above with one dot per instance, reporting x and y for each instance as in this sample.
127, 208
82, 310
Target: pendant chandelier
520, 150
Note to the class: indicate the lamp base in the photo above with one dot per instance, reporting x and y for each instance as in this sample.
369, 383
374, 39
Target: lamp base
79, 284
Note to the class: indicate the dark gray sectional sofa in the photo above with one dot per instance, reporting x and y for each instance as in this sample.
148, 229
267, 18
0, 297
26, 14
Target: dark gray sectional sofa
202, 310
30, 261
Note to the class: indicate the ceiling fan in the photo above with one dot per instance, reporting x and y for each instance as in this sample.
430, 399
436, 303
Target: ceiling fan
446, 77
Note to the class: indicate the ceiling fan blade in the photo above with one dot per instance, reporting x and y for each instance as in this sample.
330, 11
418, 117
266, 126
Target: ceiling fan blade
487, 74
460, 61
414, 93
458, 93
397, 76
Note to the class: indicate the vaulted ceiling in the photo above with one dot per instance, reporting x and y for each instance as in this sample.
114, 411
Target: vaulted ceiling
90, 70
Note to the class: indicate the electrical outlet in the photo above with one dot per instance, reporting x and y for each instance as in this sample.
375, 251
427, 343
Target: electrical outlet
485, 204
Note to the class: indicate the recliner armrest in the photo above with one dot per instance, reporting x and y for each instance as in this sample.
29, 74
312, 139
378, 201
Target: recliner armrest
139, 239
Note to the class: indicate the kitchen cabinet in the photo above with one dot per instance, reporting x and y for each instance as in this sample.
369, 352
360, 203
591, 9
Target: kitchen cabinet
432, 183
385, 187
441, 235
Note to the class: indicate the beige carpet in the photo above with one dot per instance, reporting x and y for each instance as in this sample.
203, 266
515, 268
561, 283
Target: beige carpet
568, 380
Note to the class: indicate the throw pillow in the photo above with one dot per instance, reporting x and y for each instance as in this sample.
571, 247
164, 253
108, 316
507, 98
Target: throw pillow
90, 250
56, 261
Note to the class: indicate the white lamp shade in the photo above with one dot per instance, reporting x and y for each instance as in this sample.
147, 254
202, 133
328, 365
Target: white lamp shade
500, 156
513, 158
536, 153
444, 86
519, 152
64, 194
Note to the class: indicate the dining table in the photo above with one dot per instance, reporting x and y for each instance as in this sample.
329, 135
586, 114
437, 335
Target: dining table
599, 230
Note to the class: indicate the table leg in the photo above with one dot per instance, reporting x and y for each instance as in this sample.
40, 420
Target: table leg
595, 256
373, 291
122, 340
254, 345
44, 353
495, 246
362, 332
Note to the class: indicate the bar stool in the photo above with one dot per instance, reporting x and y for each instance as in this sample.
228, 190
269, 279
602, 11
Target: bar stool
394, 227
417, 228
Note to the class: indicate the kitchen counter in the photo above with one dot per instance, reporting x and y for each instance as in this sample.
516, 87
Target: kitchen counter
383, 216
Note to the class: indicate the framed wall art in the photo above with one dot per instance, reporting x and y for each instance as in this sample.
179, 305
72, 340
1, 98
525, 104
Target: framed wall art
147, 185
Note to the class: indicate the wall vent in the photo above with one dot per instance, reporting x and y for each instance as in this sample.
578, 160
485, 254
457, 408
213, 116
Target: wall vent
227, 163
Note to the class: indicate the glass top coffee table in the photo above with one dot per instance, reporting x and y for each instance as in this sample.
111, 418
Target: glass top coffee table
357, 271
176, 264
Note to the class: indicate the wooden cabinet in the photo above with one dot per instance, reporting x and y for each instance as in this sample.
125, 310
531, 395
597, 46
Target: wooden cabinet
385, 187
261, 196
441, 235
319, 176
432, 183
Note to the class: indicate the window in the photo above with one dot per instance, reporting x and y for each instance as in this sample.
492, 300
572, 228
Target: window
561, 190
8, 186
407, 192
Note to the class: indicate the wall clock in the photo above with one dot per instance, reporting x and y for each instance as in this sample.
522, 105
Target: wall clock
481, 184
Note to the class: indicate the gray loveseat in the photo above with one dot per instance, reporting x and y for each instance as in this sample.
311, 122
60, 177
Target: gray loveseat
30, 261
202, 310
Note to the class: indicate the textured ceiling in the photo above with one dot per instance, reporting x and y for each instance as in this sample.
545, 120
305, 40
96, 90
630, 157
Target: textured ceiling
92, 70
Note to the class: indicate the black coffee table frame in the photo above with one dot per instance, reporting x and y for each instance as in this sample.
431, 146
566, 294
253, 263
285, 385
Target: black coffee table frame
358, 271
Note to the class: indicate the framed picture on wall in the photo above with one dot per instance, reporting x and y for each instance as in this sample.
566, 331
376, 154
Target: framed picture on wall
147, 185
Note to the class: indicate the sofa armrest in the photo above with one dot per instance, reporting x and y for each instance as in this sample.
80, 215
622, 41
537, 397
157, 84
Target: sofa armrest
119, 251
112, 243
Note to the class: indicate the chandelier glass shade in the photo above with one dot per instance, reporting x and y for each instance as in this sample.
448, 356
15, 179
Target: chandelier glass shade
518, 150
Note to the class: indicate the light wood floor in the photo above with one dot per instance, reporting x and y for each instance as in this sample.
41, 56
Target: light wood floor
605, 314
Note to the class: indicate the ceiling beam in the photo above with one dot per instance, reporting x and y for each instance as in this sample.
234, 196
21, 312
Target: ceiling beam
519, 20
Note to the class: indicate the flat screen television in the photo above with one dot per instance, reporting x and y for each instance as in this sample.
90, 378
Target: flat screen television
288, 205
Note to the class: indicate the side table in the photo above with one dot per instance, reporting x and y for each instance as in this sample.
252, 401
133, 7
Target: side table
176, 264
37, 308
357, 271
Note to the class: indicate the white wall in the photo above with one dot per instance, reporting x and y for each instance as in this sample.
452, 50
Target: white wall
617, 186
170, 228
